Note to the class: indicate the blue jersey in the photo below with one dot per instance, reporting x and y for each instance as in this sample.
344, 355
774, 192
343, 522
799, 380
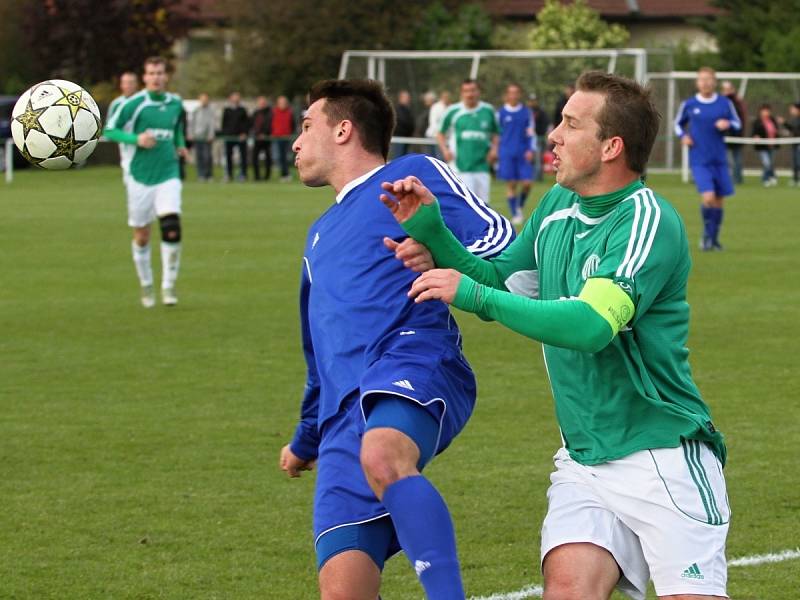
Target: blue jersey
696, 117
516, 130
353, 303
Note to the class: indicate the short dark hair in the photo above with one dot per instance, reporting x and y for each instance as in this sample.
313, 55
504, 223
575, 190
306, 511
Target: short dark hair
628, 112
470, 81
362, 101
155, 60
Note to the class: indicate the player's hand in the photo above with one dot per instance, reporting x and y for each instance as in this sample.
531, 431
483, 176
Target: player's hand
146, 140
687, 140
529, 156
183, 152
491, 156
415, 256
447, 155
722, 124
293, 464
436, 284
405, 196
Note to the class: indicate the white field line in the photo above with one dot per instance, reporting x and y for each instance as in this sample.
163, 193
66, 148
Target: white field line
535, 591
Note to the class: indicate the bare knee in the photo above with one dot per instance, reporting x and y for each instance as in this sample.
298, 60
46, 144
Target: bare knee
387, 455
141, 236
350, 575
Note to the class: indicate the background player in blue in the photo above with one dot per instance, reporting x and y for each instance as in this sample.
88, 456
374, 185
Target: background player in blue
388, 386
516, 149
702, 123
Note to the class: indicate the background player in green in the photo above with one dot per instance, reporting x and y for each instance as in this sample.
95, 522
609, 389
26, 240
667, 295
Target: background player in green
599, 276
474, 130
150, 122
128, 86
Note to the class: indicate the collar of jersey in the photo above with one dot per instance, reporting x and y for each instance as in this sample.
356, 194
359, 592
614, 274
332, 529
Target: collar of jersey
157, 96
356, 182
702, 100
597, 206
510, 108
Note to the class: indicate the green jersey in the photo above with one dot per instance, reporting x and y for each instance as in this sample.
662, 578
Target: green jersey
162, 115
472, 130
635, 392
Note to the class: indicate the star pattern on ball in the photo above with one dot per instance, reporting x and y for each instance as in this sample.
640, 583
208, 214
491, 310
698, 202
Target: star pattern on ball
28, 156
30, 120
65, 146
72, 100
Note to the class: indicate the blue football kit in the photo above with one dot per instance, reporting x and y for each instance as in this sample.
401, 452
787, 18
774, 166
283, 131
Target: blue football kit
516, 138
708, 155
365, 340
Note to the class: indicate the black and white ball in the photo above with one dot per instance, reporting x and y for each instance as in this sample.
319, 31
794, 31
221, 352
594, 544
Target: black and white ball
56, 124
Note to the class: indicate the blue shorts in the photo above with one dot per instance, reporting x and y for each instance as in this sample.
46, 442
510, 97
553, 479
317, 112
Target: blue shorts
713, 178
514, 167
347, 515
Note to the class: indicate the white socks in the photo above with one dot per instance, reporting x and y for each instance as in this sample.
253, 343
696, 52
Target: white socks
141, 259
170, 263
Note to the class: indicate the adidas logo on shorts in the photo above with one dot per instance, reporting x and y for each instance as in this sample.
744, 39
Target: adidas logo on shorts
693, 572
420, 566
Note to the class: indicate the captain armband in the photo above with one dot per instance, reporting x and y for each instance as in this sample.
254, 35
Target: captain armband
609, 301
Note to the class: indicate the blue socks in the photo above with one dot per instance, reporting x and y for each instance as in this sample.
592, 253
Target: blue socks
523, 196
425, 531
513, 205
712, 222
716, 218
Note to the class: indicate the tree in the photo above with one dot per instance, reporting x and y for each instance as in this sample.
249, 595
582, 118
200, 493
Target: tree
757, 35
574, 27
95, 40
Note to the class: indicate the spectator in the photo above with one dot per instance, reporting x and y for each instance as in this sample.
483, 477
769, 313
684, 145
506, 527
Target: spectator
569, 89
262, 130
235, 126
201, 134
423, 120
793, 129
282, 128
729, 91
405, 122
765, 126
435, 118
540, 125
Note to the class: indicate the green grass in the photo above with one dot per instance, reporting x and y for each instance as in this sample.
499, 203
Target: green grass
138, 449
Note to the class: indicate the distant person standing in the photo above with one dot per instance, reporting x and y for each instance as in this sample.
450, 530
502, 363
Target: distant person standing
423, 120
262, 145
515, 151
569, 89
235, 126
765, 126
201, 134
435, 117
283, 125
405, 122
793, 127
128, 86
540, 126
729, 91
702, 122
472, 127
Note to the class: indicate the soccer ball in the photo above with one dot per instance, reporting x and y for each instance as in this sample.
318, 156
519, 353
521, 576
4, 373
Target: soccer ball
55, 124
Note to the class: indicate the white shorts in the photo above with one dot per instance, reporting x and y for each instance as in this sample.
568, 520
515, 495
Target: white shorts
478, 183
663, 515
146, 202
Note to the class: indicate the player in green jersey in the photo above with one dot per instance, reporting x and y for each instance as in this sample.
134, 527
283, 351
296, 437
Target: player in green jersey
150, 122
128, 86
473, 128
599, 276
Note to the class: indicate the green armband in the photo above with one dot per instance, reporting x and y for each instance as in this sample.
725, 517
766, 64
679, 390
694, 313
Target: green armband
609, 301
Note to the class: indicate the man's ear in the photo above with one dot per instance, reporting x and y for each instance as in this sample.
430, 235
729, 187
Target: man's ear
613, 148
343, 131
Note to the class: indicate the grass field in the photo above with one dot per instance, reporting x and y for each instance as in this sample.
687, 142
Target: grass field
138, 448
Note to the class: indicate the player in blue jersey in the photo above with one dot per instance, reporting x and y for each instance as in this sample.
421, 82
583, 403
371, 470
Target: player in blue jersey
702, 123
515, 151
388, 387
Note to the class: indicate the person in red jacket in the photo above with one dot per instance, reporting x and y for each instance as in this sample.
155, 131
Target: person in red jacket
283, 127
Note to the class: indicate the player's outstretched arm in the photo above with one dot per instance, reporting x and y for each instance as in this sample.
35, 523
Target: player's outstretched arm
417, 211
